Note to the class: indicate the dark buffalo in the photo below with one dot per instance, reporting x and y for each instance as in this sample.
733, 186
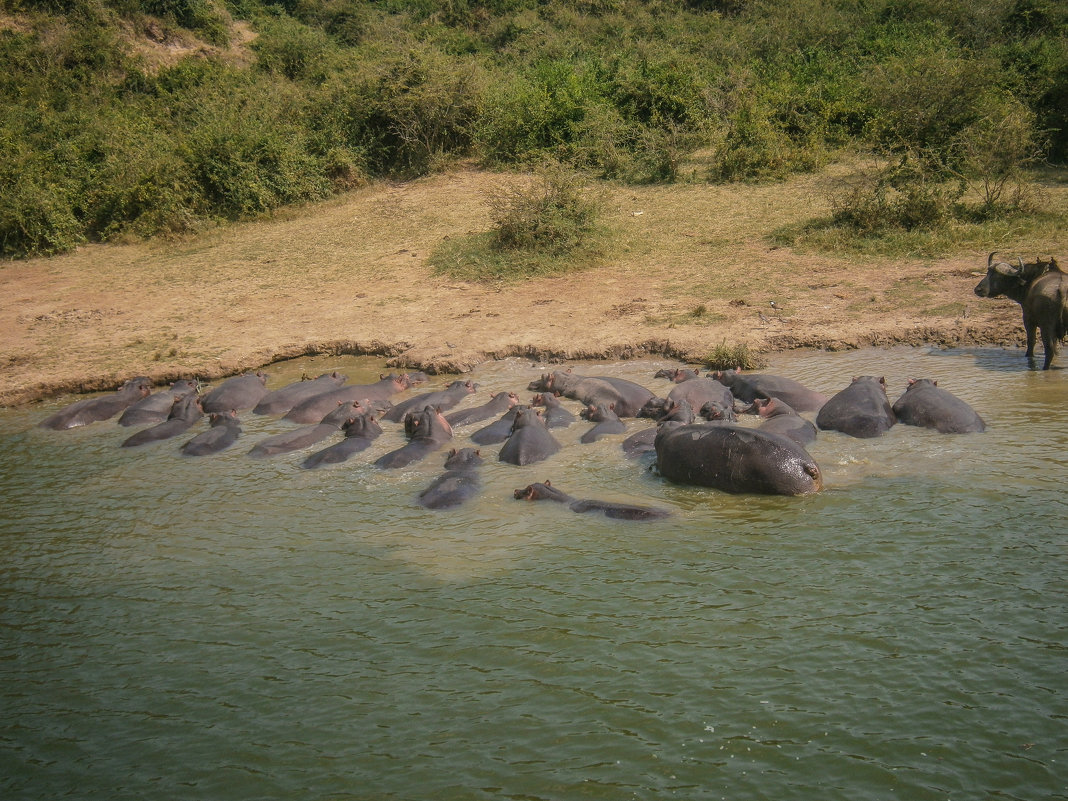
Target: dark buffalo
92, 410
926, 404
735, 459
185, 412
458, 483
360, 431
860, 410
157, 406
280, 401
545, 491
224, 431
530, 441
1041, 289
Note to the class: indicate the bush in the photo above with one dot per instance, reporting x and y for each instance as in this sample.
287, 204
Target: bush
553, 214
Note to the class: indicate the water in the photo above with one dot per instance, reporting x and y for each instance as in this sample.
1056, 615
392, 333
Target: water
225, 628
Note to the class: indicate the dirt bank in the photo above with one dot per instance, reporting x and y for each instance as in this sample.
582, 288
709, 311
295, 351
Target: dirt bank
693, 269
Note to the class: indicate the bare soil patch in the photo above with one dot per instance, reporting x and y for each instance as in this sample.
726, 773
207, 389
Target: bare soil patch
692, 268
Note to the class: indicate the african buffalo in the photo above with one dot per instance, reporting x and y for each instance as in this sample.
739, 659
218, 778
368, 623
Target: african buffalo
1041, 289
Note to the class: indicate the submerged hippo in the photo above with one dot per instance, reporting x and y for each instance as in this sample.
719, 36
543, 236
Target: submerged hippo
779, 418
313, 409
442, 400
280, 401
926, 404
735, 459
642, 442
185, 412
428, 431
544, 490
236, 393
499, 403
156, 407
92, 410
860, 410
360, 431
457, 484
628, 396
224, 431
289, 441
555, 415
606, 419
748, 387
530, 440
500, 429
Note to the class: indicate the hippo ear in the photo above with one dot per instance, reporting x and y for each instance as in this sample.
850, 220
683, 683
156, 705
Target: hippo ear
547, 483
912, 381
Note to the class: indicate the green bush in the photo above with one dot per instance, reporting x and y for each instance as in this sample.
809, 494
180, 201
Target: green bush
553, 214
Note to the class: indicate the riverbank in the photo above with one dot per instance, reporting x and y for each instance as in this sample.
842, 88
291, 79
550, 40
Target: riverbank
692, 268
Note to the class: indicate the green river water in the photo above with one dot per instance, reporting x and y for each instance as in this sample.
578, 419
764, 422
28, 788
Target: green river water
224, 628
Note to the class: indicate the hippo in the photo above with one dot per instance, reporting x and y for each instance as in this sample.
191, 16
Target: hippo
555, 415
530, 440
300, 438
926, 404
429, 431
860, 410
544, 490
280, 401
628, 396
608, 422
360, 431
92, 410
185, 412
312, 410
224, 431
779, 418
442, 400
699, 391
714, 411
499, 430
457, 484
677, 374
498, 403
1041, 289
237, 393
750, 386
642, 442
736, 459
156, 407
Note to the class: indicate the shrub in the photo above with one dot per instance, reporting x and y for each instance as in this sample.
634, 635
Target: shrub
553, 214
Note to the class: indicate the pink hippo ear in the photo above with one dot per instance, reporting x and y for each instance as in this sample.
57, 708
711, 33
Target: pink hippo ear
547, 483
912, 381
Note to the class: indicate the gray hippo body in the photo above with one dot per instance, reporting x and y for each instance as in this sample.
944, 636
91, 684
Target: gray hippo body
606, 419
442, 400
500, 429
545, 491
92, 410
224, 431
157, 406
627, 396
748, 387
860, 410
555, 415
300, 438
428, 431
530, 440
498, 404
700, 391
735, 459
236, 394
457, 484
926, 404
360, 431
642, 442
185, 412
313, 409
281, 401
779, 418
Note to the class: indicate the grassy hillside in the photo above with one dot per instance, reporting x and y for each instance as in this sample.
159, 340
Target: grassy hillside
151, 117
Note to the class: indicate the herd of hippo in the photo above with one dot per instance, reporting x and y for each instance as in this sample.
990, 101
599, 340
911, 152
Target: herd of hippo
695, 438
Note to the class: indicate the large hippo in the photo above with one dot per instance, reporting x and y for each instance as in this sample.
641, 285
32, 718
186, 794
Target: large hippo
736, 459
498, 404
157, 406
280, 401
360, 431
545, 491
555, 415
428, 431
750, 386
458, 483
860, 410
530, 440
289, 441
442, 400
628, 396
314, 408
185, 412
224, 431
92, 410
606, 419
236, 393
779, 418
926, 404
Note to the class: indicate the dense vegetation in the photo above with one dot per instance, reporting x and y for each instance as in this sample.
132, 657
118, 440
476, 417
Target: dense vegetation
103, 135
